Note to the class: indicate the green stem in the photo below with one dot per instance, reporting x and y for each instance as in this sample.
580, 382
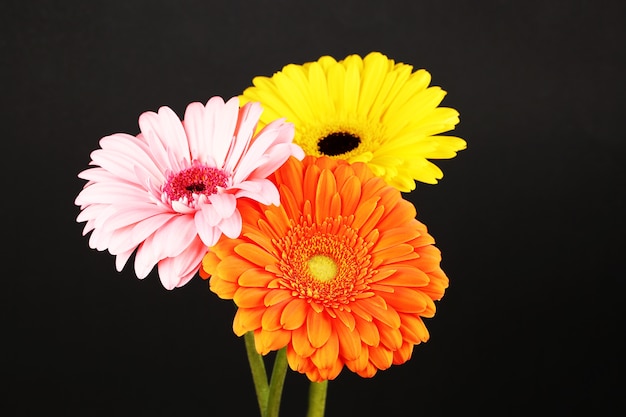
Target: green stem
317, 399
277, 382
259, 376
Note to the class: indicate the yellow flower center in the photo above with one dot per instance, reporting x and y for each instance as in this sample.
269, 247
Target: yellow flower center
322, 267
328, 263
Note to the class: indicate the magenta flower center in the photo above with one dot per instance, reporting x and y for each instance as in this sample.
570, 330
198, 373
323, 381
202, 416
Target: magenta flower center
196, 180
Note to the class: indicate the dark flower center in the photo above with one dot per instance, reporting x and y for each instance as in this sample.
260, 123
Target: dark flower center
198, 179
338, 143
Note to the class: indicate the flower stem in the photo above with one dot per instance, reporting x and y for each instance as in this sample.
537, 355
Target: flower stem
259, 376
317, 399
277, 382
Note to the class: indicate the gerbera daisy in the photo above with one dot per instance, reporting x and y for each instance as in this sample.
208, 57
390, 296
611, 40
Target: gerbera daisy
341, 273
171, 191
370, 109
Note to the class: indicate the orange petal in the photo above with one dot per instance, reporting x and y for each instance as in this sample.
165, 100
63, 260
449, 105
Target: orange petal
393, 237
316, 306
413, 329
255, 277
326, 356
290, 174
294, 313
292, 207
381, 288
360, 312
361, 362
373, 187
225, 246
209, 264
232, 267
390, 198
328, 374
334, 209
297, 362
262, 240
389, 337
278, 219
249, 297
255, 254
424, 239
401, 276
398, 216
300, 342
372, 222
368, 371
363, 212
271, 340
381, 357
367, 331
276, 296
403, 354
345, 317
349, 341
350, 193
247, 319
327, 163
407, 300
309, 183
326, 190
271, 318
318, 328
388, 316
394, 253
224, 289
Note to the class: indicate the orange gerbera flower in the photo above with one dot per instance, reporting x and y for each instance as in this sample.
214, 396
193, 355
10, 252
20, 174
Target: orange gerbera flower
341, 273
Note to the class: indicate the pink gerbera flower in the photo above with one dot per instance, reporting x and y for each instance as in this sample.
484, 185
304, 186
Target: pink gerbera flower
170, 192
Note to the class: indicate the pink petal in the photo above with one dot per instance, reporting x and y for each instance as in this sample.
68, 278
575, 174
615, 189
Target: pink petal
90, 212
96, 174
150, 125
174, 236
224, 204
126, 215
231, 226
122, 258
173, 135
261, 190
206, 223
193, 123
132, 151
220, 120
111, 192
177, 271
248, 118
253, 157
148, 227
276, 157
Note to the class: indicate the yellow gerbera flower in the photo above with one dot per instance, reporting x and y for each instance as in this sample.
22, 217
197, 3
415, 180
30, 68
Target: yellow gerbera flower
370, 110
341, 273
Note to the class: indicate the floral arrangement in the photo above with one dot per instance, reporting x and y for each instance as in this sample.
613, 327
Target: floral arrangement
288, 200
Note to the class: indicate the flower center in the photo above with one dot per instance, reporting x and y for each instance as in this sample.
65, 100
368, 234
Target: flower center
338, 143
322, 267
193, 181
326, 263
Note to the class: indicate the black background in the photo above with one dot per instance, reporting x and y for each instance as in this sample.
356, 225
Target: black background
530, 218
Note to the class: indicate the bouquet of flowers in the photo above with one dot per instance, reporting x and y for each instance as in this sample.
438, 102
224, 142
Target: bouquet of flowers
288, 200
